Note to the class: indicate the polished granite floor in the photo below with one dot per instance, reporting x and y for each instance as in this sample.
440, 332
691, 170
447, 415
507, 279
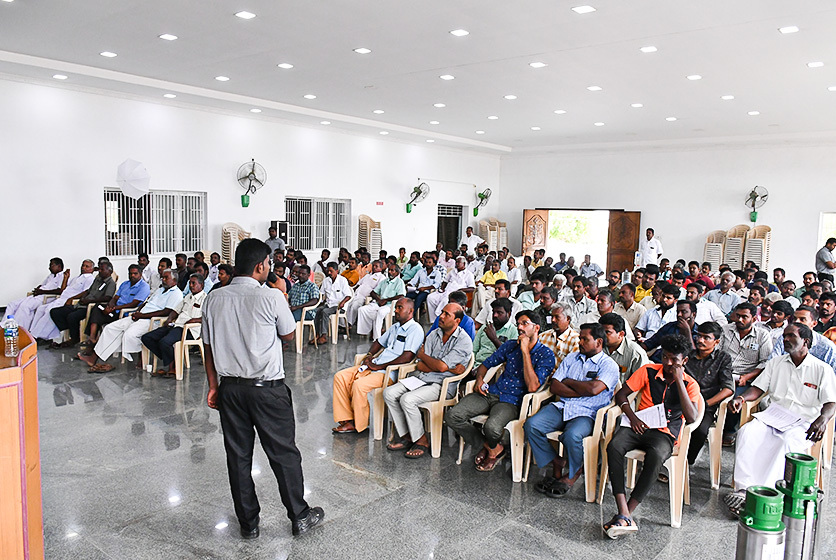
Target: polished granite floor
134, 468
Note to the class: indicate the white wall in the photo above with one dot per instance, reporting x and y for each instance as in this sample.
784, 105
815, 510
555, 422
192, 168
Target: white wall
60, 147
685, 193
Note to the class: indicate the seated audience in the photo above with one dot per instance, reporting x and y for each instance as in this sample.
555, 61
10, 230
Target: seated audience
502, 289
645, 289
686, 312
666, 384
827, 312
527, 365
485, 285
530, 299
189, 311
561, 338
425, 281
627, 306
214, 263
662, 313
336, 292
513, 272
225, 274
446, 352
822, 348
124, 335
495, 333
590, 270
370, 317
42, 325
706, 310
303, 293
802, 385
626, 353
131, 293
362, 290
724, 297
457, 279
581, 305
24, 309
467, 323
155, 280
351, 274
583, 383
69, 315
398, 345
182, 270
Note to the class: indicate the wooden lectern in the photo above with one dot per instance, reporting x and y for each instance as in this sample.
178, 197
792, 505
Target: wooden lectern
21, 518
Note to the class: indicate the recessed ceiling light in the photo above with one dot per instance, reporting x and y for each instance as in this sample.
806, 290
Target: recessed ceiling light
510, 97
788, 29
648, 49
535, 128
108, 54
430, 140
831, 88
222, 78
753, 113
378, 111
493, 118
599, 124
285, 65
560, 112
537, 64
168, 37
727, 97
480, 132
326, 123
362, 50
439, 105
636, 105
310, 96
670, 119
447, 77
434, 122
594, 88
809, 64
59, 76
384, 132
255, 110
460, 32
245, 15
693, 77
583, 9
169, 95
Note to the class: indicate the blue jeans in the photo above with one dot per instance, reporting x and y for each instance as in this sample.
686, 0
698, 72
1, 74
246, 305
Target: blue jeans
550, 419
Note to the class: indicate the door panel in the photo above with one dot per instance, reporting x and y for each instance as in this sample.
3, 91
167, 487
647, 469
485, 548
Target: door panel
535, 232
623, 239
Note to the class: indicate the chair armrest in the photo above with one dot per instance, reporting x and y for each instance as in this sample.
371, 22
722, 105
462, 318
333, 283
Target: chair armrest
405, 370
358, 359
722, 408
445, 384
468, 387
600, 416
159, 322
311, 307
532, 402
124, 312
748, 409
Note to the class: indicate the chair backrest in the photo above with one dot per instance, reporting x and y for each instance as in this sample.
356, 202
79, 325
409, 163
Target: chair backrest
738, 231
231, 235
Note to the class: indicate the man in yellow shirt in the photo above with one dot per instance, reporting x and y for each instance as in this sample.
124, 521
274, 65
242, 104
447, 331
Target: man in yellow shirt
484, 286
646, 287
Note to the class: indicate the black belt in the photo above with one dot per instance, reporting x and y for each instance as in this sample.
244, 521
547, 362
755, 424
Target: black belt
252, 382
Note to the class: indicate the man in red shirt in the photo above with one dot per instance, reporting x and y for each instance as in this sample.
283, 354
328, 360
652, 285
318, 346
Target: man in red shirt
666, 384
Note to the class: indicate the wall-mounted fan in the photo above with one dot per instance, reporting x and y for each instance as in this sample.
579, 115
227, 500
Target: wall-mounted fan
251, 177
482, 199
418, 194
756, 198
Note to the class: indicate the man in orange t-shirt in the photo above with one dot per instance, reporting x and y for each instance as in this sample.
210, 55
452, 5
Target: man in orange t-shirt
666, 384
351, 273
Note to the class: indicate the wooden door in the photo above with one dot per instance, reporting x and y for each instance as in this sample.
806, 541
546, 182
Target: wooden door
535, 232
623, 239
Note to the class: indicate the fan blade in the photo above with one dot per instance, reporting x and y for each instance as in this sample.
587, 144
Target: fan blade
257, 181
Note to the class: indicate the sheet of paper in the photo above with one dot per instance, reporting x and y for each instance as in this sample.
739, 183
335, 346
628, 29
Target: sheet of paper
412, 383
654, 417
362, 369
779, 417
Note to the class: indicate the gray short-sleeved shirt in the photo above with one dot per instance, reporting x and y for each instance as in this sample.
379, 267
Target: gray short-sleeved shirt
822, 257
456, 351
243, 323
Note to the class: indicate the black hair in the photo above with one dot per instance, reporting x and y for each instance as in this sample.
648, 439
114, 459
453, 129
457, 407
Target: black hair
504, 283
538, 277
712, 328
804, 332
670, 289
614, 320
746, 306
551, 291
630, 286
584, 282
458, 297
504, 303
227, 268
142, 255
57, 260
133, 267
784, 307
203, 266
762, 275
182, 256
707, 265
758, 289
596, 331
700, 286
678, 276
305, 267
333, 265
675, 344
827, 296
811, 310
532, 315
248, 254
651, 269
691, 305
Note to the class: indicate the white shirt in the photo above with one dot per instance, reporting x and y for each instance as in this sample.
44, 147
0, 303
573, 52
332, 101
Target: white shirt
75, 286
472, 242
653, 320
485, 315
632, 315
709, 311
457, 280
335, 290
650, 250
803, 389
366, 284
476, 267
53, 281
191, 307
213, 273
514, 275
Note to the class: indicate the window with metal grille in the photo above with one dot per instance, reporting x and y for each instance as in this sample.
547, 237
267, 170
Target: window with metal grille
161, 222
317, 223
451, 210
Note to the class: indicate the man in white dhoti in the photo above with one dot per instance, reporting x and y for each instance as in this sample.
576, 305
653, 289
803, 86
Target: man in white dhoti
24, 309
42, 325
362, 290
125, 334
804, 388
458, 279
370, 317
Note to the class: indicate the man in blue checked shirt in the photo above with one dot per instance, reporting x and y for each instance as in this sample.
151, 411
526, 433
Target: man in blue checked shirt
528, 363
583, 383
426, 280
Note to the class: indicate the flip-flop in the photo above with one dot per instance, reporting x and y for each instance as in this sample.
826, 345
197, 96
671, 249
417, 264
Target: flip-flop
490, 462
545, 485
558, 489
340, 430
399, 445
414, 449
162, 373
101, 368
614, 531
480, 457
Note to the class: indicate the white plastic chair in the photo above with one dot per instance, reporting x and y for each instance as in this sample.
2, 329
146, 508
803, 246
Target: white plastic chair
715, 443
303, 322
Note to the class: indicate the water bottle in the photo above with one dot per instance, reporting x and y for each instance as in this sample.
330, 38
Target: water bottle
10, 333
626, 277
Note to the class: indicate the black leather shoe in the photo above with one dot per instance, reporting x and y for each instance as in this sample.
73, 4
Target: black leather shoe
251, 534
304, 524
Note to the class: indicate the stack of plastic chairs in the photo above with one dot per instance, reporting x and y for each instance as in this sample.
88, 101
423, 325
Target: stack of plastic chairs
231, 235
735, 241
713, 251
758, 241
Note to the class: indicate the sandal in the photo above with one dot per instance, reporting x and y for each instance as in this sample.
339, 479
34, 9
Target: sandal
480, 457
557, 489
399, 445
162, 373
545, 485
735, 502
341, 429
490, 462
615, 528
416, 451
101, 368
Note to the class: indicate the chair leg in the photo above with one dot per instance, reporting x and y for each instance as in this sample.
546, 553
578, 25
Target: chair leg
299, 330
715, 453
186, 348
178, 359
526, 462
517, 450
687, 484
676, 481
461, 450
631, 473
590, 467
436, 425
605, 471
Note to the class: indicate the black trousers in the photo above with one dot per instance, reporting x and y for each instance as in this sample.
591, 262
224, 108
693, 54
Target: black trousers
657, 447
66, 317
100, 318
700, 434
269, 410
161, 342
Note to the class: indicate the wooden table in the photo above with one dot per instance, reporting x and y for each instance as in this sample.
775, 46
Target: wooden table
21, 518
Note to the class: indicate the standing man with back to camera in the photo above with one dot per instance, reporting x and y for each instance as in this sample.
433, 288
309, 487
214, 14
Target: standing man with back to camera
243, 326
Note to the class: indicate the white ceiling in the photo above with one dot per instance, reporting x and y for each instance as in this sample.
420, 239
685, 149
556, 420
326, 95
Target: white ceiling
734, 45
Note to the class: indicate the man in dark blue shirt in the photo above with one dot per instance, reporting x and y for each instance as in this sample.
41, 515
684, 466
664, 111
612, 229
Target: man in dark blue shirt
527, 364
685, 325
